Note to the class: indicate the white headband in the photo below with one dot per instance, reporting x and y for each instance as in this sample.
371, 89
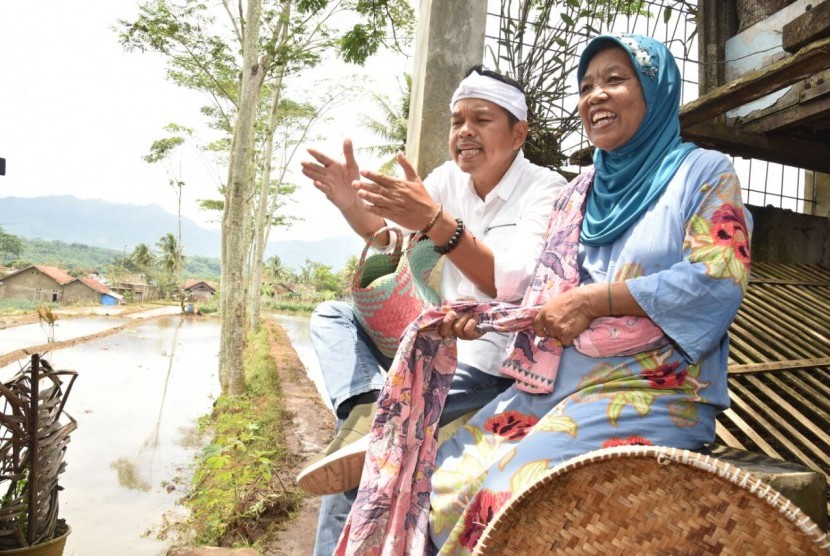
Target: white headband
508, 97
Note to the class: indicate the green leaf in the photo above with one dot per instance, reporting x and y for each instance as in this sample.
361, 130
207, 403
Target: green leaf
560, 423
615, 408
640, 401
527, 475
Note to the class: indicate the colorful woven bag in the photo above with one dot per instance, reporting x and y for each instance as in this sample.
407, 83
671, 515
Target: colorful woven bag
390, 289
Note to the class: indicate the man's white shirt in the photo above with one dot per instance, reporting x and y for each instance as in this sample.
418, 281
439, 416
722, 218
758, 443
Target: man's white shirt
512, 221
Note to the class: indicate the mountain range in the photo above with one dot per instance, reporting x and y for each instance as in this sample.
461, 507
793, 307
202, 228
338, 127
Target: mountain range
122, 226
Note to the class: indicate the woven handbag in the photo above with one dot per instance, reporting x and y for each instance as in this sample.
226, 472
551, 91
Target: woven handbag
390, 289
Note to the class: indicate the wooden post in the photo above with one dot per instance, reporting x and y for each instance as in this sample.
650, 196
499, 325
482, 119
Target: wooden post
716, 23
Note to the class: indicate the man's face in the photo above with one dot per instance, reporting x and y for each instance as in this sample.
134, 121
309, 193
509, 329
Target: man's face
482, 141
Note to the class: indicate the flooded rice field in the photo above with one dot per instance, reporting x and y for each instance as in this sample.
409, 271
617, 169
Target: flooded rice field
65, 329
137, 399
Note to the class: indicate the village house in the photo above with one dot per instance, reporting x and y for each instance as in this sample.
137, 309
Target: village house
199, 290
135, 288
54, 285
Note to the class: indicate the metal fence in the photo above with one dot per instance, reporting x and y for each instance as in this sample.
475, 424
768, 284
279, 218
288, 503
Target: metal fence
675, 23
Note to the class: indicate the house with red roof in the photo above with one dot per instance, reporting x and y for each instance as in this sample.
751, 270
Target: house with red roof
50, 284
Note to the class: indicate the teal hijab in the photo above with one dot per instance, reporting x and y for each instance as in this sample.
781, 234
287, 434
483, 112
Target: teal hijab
628, 179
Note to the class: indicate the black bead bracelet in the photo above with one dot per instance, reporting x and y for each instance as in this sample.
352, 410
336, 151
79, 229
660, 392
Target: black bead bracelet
454, 240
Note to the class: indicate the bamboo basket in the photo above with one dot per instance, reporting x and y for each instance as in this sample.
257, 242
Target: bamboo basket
650, 500
34, 433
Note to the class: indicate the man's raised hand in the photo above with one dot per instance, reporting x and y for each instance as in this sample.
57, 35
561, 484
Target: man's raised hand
403, 201
334, 177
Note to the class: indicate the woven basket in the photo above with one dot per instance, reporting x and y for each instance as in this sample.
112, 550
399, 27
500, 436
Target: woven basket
650, 500
389, 290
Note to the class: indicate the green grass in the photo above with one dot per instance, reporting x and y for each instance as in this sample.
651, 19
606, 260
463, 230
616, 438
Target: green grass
291, 306
235, 490
17, 306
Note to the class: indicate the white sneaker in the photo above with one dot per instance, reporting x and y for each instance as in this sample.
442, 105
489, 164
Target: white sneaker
337, 472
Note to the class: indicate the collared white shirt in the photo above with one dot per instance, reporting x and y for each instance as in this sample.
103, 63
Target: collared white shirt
511, 221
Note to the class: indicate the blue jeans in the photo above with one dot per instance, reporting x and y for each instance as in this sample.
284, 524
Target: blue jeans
351, 365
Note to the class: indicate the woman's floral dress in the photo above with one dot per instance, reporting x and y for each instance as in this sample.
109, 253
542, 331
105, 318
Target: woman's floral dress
686, 262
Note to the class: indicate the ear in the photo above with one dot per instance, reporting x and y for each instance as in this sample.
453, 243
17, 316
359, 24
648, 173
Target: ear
519, 134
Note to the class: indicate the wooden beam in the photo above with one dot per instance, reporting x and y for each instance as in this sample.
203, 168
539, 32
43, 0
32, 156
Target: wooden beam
773, 366
809, 60
789, 117
783, 150
810, 26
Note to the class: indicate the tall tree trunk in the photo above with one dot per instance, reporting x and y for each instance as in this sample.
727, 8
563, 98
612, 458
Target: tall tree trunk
179, 284
237, 211
262, 220
263, 216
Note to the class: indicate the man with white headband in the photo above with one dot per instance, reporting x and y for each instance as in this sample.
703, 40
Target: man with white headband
487, 210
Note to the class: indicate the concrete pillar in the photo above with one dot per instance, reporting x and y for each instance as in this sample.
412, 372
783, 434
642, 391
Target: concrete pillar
449, 39
818, 187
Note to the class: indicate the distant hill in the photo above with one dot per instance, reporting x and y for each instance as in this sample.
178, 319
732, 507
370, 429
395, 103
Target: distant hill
121, 227
80, 257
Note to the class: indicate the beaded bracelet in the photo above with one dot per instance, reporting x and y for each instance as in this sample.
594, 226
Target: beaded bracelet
433, 220
454, 240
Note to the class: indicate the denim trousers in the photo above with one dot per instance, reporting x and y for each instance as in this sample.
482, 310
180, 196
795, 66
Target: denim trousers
351, 365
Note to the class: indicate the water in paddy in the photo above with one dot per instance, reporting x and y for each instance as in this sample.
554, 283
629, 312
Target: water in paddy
137, 399
65, 329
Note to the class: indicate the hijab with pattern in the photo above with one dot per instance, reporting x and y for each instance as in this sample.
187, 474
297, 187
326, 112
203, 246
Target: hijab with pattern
629, 178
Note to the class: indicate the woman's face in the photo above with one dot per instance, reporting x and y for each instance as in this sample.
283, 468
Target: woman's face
611, 103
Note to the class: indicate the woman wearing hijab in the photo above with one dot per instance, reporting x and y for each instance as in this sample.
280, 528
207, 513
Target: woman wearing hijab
621, 337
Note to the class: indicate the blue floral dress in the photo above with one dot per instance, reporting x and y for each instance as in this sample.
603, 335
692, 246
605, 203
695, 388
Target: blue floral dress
686, 262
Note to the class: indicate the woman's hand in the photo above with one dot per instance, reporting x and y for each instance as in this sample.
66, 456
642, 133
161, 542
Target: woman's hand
565, 316
461, 326
333, 177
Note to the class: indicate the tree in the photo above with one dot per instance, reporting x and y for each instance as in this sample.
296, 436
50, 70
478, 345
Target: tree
537, 46
169, 261
10, 245
265, 46
235, 218
276, 269
162, 151
325, 281
393, 128
347, 274
141, 257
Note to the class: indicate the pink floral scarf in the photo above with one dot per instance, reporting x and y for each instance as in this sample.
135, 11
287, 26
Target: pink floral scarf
391, 513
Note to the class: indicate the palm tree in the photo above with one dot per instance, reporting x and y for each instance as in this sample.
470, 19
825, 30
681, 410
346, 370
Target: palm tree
393, 128
141, 257
347, 274
170, 261
275, 267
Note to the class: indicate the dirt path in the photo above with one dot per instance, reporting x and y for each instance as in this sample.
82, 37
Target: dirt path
310, 429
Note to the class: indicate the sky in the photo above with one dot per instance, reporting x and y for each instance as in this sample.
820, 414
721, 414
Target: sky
78, 113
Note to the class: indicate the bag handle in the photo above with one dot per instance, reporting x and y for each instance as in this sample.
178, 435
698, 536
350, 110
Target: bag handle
414, 238
396, 251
